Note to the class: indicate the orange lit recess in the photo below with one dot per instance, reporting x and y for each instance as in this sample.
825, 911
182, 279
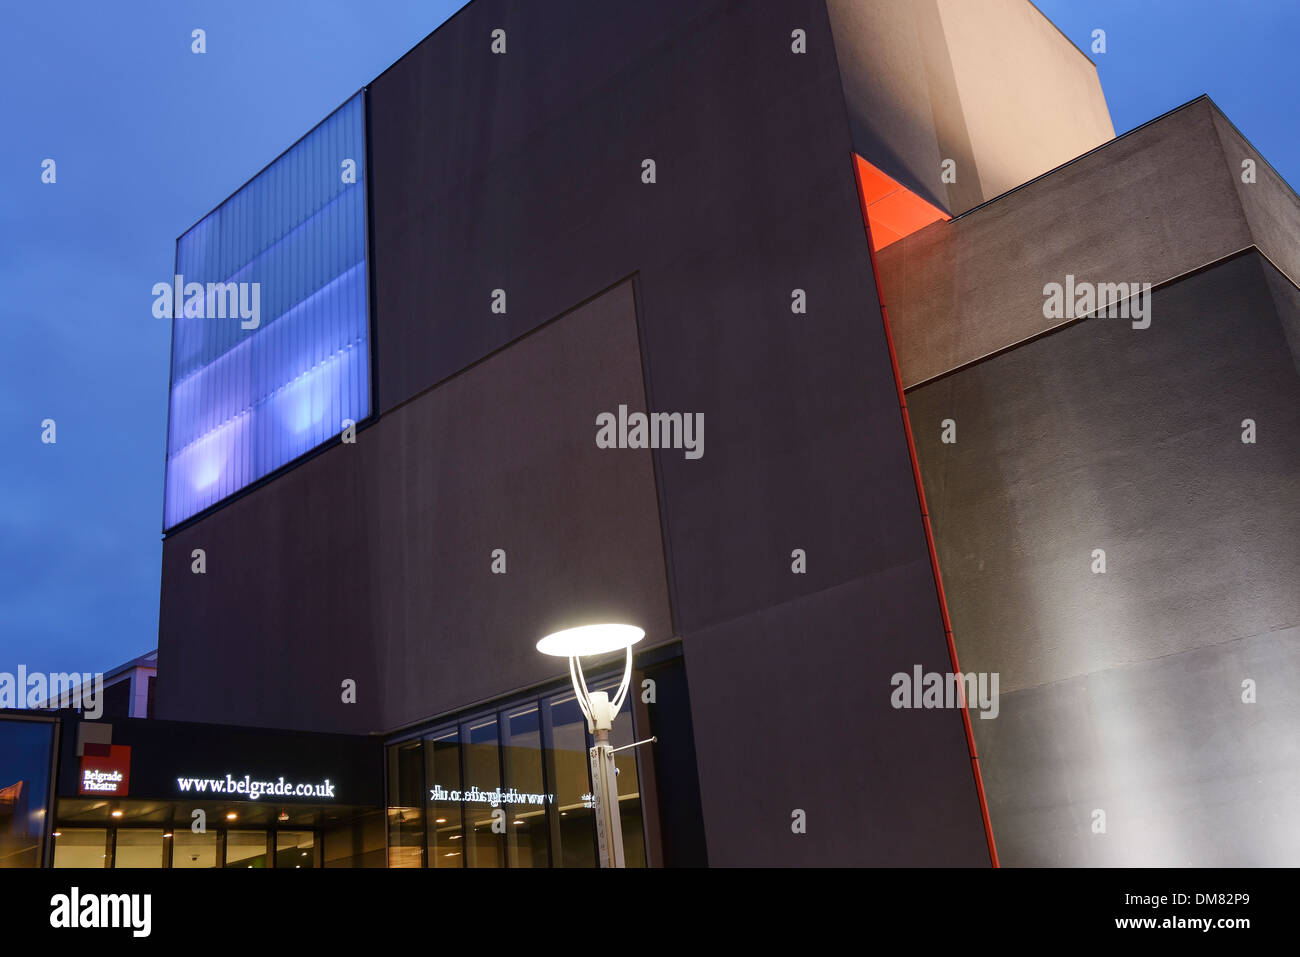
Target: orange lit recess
893, 210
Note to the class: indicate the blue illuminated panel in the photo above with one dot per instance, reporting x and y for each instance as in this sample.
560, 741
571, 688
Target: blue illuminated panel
245, 401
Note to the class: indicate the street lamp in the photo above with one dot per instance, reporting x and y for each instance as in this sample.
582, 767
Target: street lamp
599, 711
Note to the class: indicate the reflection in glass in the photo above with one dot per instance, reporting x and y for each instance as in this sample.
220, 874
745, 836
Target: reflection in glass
442, 776
138, 847
81, 847
573, 824
25, 748
295, 849
406, 805
526, 823
509, 789
483, 809
246, 849
194, 850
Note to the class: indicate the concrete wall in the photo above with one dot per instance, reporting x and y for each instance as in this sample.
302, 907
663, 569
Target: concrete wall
1270, 205
523, 172
893, 109
1122, 691
1030, 99
1286, 298
993, 86
1152, 205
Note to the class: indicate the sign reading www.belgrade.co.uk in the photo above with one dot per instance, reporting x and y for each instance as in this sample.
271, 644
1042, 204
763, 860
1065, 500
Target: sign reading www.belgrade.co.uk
253, 789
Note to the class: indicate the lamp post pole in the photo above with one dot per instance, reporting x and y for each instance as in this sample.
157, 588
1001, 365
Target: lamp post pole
604, 782
599, 710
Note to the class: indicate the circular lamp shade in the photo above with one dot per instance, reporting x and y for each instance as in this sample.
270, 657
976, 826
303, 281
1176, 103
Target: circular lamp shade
590, 640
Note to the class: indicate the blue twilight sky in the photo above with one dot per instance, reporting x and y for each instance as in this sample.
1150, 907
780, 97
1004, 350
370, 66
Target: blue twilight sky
149, 137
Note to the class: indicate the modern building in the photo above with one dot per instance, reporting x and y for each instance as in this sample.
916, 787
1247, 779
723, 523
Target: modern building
819, 239
126, 690
135, 792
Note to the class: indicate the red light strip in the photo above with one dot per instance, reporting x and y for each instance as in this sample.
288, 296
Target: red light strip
925, 520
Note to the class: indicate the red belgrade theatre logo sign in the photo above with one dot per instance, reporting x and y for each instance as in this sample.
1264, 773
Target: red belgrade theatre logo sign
105, 769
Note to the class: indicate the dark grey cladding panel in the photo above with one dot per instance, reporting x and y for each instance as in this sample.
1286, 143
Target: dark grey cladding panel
269, 631
1186, 773
1103, 436
516, 171
755, 197
523, 171
793, 712
373, 561
504, 456
1149, 206
1122, 690
463, 107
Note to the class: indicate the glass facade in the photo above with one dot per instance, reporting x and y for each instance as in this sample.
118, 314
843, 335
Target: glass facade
295, 849
270, 319
484, 826
26, 756
154, 847
138, 847
508, 787
406, 807
446, 817
521, 763
81, 847
195, 850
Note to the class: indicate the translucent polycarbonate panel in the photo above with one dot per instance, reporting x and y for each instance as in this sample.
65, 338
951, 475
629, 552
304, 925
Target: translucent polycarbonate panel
270, 345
